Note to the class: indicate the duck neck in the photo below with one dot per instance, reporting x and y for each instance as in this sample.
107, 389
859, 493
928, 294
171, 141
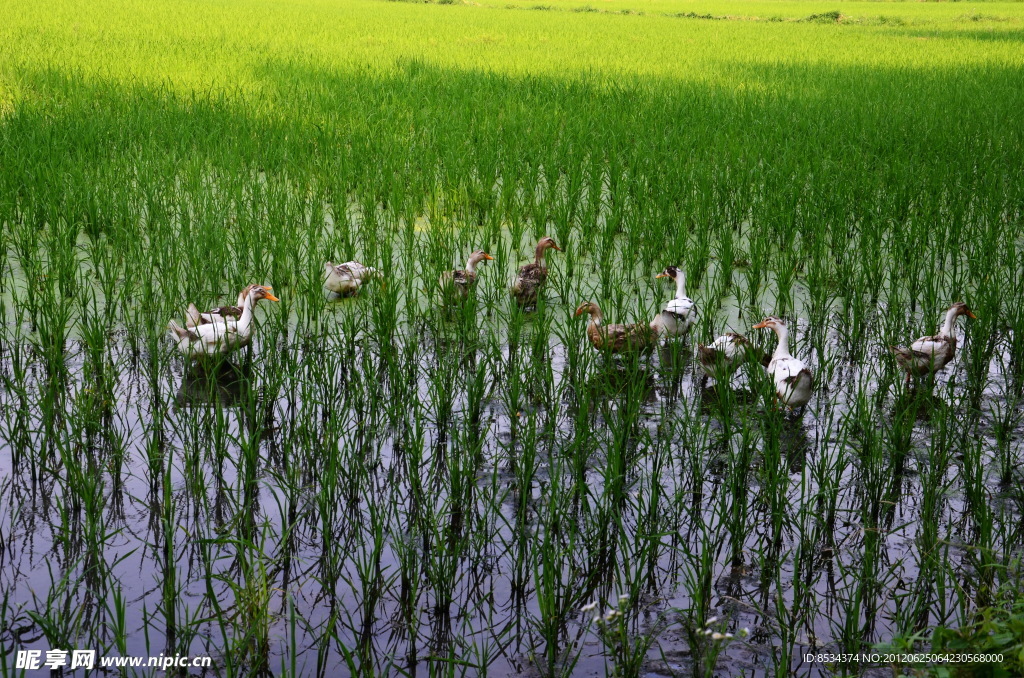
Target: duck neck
538, 255
471, 265
949, 325
782, 350
596, 317
247, 312
680, 285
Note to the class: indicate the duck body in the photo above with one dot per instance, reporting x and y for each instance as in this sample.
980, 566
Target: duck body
219, 337
926, 355
679, 314
346, 279
722, 357
616, 338
930, 354
460, 281
794, 383
531, 277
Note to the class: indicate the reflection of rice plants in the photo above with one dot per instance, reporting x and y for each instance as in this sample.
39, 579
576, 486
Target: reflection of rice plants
398, 482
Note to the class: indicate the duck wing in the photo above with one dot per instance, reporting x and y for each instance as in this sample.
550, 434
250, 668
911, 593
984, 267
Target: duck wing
358, 271
527, 284
681, 307
933, 346
464, 278
618, 337
787, 370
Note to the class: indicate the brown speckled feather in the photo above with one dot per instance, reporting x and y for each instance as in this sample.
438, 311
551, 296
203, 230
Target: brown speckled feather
527, 286
619, 338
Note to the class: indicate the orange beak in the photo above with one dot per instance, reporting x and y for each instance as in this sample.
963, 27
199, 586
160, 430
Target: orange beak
761, 325
661, 275
271, 297
579, 312
488, 257
267, 287
971, 315
556, 246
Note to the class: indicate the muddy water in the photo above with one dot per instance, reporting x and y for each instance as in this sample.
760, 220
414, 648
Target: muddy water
227, 453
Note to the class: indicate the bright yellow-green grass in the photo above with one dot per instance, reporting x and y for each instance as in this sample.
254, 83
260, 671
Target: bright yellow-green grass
236, 44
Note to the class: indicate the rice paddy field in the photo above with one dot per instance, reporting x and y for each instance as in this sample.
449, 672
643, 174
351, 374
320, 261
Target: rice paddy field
388, 485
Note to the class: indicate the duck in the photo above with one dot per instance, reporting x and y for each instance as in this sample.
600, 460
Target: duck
928, 355
616, 338
526, 287
219, 338
794, 382
194, 317
462, 280
346, 279
680, 312
721, 358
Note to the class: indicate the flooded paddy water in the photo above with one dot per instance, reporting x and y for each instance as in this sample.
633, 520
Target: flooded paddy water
382, 485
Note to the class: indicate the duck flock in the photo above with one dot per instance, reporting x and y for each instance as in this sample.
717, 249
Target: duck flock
223, 330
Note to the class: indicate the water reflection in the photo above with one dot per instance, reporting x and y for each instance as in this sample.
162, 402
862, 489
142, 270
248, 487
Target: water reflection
213, 382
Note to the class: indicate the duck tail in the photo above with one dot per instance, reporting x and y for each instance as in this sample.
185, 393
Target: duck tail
176, 331
192, 316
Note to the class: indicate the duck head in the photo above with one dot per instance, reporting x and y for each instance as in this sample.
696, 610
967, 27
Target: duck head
669, 272
590, 308
962, 309
547, 242
478, 256
258, 292
771, 323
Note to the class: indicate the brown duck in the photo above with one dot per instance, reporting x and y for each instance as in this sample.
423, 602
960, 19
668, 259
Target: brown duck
617, 338
532, 277
461, 280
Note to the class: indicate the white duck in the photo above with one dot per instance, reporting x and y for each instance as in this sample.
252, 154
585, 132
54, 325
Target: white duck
679, 313
218, 338
793, 381
931, 354
723, 356
346, 279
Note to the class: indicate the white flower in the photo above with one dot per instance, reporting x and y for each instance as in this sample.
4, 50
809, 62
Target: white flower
717, 636
589, 607
707, 632
745, 632
712, 620
624, 597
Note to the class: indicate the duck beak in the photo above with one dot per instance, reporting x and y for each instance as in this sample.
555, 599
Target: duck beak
267, 287
488, 257
971, 315
579, 312
661, 275
556, 247
761, 325
271, 297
